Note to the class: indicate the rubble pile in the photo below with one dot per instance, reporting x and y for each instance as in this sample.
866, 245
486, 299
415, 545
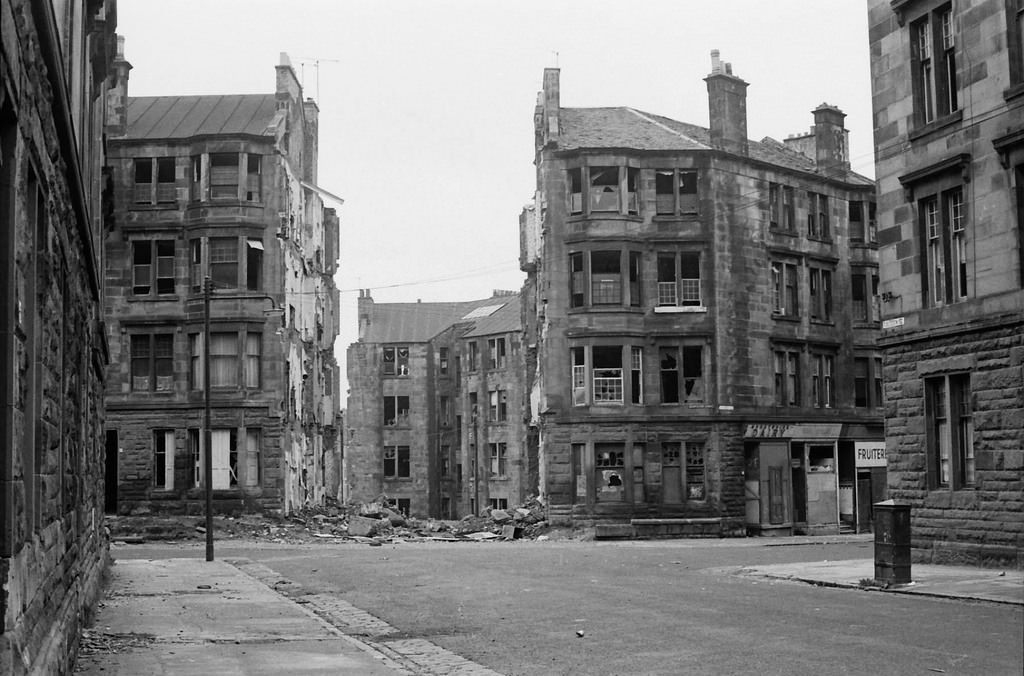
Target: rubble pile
371, 523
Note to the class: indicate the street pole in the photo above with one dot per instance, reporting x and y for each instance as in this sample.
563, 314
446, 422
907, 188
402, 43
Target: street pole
207, 435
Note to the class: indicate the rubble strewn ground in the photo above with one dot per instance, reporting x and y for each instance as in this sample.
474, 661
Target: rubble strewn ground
371, 523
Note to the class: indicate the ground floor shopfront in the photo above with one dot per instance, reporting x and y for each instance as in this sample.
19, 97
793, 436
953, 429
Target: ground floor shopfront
812, 478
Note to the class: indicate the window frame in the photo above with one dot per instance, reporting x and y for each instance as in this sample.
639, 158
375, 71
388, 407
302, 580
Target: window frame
787, 376
159, 268
785, 287
155, 361
397, 401
820, 290
943, 226
398, 456
934, 77
677, 192
949, 432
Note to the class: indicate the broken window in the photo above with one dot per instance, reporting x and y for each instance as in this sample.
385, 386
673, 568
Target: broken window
577, 280
152, 362
163, 460
635, 278
632, 190
195, 264
675, 191
693, 374
445, 414
498, 503
253, 443
396, 361
195, 455
442, 361
679, 279
471, 357
787, 377
822, 392
445, 460
396, 462
817, 216
636, 361
784, 289
696, 475
821, 294
669, 365
396, 411
608, 386
575, 191
253, 177
224, 262
224, 176
609, 471
498, 459
604, 189
196, 184
496, 353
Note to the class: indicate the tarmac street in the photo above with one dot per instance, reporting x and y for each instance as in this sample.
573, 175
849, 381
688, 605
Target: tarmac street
733, 606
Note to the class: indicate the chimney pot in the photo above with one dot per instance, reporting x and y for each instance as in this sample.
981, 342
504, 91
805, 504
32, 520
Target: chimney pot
716, 64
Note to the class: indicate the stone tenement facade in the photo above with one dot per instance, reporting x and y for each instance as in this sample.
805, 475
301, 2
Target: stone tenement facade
220, 188
948, 99
701, 317
55, 61
435, 411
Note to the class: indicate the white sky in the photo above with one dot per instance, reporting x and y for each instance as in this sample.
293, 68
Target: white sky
426, 107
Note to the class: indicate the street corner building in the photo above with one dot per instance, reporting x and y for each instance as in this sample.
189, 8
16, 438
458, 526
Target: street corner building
436, 407
948, 100
219, 192
701, 316
55, 67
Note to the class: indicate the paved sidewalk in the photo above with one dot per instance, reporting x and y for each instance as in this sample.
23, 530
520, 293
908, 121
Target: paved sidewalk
189, 616
955, 582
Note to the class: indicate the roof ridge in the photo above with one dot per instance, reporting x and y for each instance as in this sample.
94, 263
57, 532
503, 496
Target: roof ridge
661, 125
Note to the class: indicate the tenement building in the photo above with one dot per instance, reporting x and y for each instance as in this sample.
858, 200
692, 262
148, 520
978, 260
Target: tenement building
703, 325
217, 196
948, 98
55, 66
434, 422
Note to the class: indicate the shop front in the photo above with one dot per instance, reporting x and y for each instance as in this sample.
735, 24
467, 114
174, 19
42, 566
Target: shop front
811, 478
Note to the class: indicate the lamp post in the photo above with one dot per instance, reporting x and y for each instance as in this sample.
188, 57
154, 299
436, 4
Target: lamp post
207, 431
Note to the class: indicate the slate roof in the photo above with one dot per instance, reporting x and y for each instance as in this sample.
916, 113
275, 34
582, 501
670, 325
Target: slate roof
504, 320
628, 128
181, 117
419, 322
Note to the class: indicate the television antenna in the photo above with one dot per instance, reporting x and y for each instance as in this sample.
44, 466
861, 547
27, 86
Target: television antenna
316, 61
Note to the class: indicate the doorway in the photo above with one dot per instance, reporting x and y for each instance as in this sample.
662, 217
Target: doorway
110, 475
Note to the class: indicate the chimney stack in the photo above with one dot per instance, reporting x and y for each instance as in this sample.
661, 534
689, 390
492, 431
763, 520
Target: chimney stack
311, 113
831, 140
117, 96
546, 118
727, 107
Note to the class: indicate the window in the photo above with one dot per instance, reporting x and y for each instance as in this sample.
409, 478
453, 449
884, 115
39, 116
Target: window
821, 294
195, 371
444, 457
253, 352
933, 63
445, 411
636, 381
679, 279
692, 391
496, 353
442, 361
471, 357
224, 176
396, 462
1015, 39
224, 456
145, 274
607, 373
196, 184
253, 177
195, 264
575, 185
865, 308
856, 217
224, 359
696, 474
579, 376
635, 278
254, 264
604, 189
163, 460
632, 191
143, 180
785, 292
609, 471
396, 361
943, 229
165, 190
879, 396
675, 191
822, 380
867, 382
396, 411
195, 455
818, 216
605, 278
781, 212
787, 377
253, 444
224, 262
498, 405
152, 364
498, 459
950, 432
498, 503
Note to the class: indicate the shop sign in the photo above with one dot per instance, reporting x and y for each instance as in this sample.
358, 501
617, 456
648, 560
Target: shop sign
869, 453
766, 431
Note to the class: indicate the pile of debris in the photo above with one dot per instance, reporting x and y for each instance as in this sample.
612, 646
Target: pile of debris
371, 523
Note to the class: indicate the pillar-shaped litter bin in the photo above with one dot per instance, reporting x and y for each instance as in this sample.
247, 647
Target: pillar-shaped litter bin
892, 542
